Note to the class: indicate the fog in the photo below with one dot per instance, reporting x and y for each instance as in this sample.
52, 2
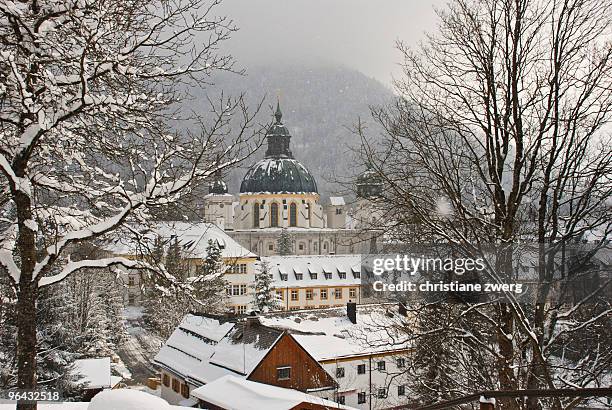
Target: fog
359, 34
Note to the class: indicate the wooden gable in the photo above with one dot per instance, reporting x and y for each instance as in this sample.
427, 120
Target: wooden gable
306, 372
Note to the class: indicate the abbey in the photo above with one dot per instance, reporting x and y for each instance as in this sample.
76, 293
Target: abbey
279, 192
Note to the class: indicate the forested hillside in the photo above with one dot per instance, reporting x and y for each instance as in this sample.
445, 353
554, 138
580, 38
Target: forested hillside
320, 106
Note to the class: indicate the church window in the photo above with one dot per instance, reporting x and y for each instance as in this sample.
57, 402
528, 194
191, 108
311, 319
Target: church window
274, 214
256, 215
293, 214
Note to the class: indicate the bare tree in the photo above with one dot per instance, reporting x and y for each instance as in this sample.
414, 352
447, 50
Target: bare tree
87, 93
500, 136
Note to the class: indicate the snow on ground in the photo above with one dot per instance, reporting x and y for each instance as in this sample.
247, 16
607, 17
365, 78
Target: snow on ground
119, 399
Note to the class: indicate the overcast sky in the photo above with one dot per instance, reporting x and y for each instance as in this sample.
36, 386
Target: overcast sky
360, 34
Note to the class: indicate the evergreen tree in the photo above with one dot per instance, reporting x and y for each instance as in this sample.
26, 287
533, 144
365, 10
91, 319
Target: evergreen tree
284, 243
174, 262
265, 297
77, 318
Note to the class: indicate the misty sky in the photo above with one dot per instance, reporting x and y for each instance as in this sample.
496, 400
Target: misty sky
360, 34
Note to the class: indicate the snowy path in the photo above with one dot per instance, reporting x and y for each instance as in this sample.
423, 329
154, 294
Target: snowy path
137, 350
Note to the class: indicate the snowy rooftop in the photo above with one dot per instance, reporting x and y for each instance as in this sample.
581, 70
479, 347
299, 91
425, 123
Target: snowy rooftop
203, 349
93, 373
314, 270
328, 334
190, 347
336, 201
244, 347
234, 393
193, 237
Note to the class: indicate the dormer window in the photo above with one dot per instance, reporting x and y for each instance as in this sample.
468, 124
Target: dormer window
298, 274
284, 277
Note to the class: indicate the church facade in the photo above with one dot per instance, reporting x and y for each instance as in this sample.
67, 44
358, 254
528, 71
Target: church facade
278, 192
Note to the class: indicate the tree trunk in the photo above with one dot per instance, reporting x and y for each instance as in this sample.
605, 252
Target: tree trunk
26, 301
26, 338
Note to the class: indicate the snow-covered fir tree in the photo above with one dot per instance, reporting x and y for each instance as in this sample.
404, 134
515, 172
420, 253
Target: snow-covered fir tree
284, 243
265, 296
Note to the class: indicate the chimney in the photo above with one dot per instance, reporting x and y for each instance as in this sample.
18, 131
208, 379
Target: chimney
351, 311
252, 321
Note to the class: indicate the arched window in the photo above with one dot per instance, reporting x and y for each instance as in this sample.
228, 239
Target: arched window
274, 214
256, 215
293, 214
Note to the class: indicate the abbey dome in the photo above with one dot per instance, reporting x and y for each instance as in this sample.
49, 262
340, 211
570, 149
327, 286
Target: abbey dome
278, 172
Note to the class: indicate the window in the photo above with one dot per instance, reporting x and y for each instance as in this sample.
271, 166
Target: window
309, 294
166, 380
401, 362
299, 276
361, 397
401, 390
342, 275
240, 309
339, 372
284, 276
131, 280
301, 246
294, 295
382, 393
380, 365
176, 385
324, 246
361, 369
280, 295
323, 294
238, 269
283, 373
185, 390
313, 275
341, 399
274, 214
328, 275
338, 293
271, 247
131, 299
294, 308
352, 293
236, 290
338, 211
293, 214
256, 214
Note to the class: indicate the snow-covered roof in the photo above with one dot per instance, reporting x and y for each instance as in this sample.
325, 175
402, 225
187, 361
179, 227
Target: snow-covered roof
345, 270
336, 201
328, 334
244, 347
93, 373
231, 392
189, 348
202, 348
193, 236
